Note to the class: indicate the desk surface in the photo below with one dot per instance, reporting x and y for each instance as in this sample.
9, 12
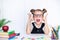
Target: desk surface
36, 37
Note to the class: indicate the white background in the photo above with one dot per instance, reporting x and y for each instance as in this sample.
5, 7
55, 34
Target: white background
16, 11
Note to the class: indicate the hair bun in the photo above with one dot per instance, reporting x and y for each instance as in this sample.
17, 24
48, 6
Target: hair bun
32, 11
44, 11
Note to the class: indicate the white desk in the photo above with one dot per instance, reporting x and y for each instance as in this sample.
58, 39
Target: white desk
36, 37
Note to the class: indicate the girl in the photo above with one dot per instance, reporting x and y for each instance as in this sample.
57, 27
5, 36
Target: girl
39, 26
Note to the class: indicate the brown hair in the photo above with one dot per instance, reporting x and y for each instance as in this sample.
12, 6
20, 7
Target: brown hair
33, 10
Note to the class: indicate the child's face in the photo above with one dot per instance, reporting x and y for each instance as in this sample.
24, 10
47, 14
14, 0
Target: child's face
38, 17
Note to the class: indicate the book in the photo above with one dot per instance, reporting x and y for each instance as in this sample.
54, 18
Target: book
4, 34
3, 38
11, 32
13, 38
12, 35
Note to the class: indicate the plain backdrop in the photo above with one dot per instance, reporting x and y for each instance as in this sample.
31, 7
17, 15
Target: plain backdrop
17, 10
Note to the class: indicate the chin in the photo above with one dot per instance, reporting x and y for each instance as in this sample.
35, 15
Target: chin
38, 23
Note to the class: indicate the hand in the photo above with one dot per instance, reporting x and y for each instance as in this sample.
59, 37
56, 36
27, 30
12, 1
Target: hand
30, 17
45, 17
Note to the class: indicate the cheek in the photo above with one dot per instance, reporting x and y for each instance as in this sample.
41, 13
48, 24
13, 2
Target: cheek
34, 18
41, 19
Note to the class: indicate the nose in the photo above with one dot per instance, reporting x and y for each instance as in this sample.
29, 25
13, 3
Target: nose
38, 16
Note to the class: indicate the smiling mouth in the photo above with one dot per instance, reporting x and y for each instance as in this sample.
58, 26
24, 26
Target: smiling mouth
38, 20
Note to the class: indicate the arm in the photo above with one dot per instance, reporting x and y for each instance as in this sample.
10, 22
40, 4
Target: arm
46, 28
28, 26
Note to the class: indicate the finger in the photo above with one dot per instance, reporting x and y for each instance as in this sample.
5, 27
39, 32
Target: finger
46, 15
29, 14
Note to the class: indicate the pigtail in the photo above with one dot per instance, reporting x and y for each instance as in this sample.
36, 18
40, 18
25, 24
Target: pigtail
44, 11
32, 11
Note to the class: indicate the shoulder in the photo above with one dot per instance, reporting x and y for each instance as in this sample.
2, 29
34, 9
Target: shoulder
33, 22
43, 24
